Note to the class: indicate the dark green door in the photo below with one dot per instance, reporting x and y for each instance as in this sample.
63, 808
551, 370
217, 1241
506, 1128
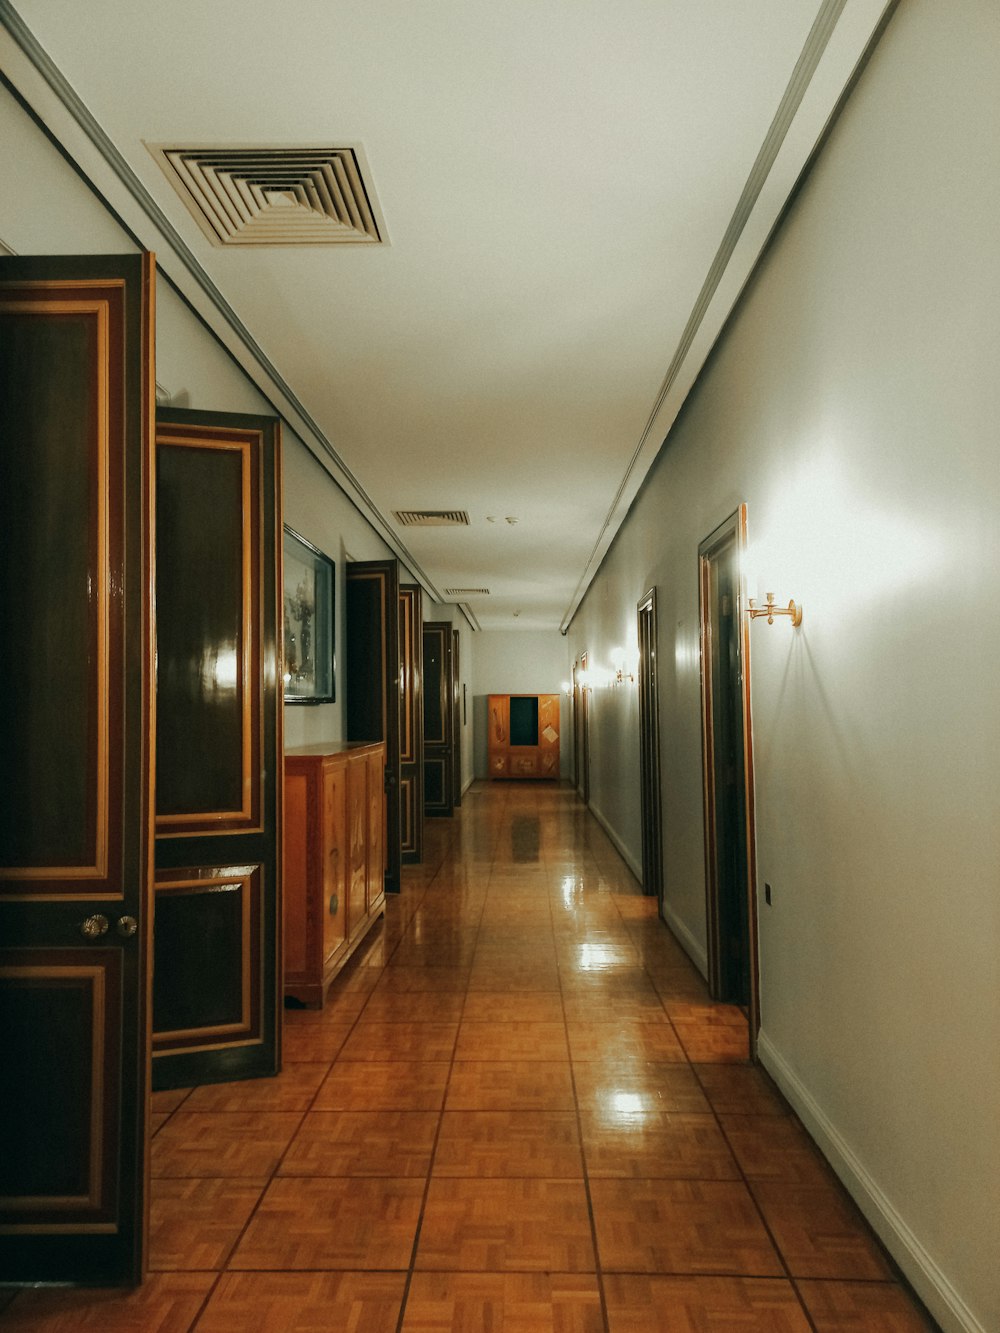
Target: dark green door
217, 970
76, 659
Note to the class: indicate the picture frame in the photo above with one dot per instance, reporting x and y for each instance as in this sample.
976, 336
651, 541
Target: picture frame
309, 635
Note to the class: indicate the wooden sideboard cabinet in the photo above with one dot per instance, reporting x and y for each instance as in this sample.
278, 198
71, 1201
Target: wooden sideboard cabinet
523, 735
334, 859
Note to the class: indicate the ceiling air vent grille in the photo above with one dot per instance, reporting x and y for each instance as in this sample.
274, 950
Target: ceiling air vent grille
432, 518
275, 196
466, 592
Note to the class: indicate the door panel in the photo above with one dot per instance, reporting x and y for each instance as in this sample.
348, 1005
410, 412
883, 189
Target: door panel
217, 942
372, 673
76, 654
438, 796
411, 723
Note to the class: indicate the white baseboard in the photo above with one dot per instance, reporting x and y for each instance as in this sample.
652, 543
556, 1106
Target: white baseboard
620, 848
693, 947
929, 1282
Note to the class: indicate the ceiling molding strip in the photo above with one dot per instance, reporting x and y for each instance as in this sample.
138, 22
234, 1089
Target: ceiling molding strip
805, 67
94, 132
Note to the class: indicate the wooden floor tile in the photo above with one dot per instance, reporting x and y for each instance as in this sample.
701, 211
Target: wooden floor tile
316, 1044
513, 977
740, 1090
512, 1041
304, 1303
402, 980
349, 1223
165, 1303
702, 1305
485, 1144
635, 1008
360, 1143
496, 1226
500, 1007
819, 1231
681, 982
291, 1090
624, 1041
169, 1100
637, 1087
223, 1143
707, 1043
681, 1226
503, 1303
194, 1224
510, 1085
400, 1040
862, 1307
775, 1147
418, 1007
340, 1006
663, 1144
389, 1085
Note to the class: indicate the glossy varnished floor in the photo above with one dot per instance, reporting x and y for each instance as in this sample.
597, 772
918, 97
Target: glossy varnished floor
518, 1111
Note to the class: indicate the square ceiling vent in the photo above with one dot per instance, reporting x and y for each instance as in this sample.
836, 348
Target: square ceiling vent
275, 196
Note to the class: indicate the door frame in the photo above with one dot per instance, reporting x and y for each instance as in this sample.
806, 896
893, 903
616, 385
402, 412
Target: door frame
649, 751
581, 729
734, 527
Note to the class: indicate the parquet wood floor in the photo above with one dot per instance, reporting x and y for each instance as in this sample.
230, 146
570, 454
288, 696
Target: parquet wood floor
518, 1111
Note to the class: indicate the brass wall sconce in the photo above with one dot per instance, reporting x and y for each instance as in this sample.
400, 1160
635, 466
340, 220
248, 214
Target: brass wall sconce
621, 668
792, 610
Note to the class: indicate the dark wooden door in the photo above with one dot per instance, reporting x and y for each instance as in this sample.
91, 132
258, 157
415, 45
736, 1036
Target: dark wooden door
730, 901
216, 1012
438, 717
649, 751
372, 676
76, 660
411, 723
456, 721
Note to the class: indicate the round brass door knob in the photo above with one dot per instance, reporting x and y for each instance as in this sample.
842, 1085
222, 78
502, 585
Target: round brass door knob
94, 927
127, 926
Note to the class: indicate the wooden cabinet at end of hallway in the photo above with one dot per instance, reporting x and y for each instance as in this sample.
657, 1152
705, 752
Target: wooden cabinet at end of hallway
523, 735
334, 890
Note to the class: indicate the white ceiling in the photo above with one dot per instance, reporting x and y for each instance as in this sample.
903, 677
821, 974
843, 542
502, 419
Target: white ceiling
574, 194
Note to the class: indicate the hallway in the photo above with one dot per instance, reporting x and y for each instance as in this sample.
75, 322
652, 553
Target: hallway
517, 1111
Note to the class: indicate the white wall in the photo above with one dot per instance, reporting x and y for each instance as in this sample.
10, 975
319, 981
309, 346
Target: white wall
853, 403
520, 662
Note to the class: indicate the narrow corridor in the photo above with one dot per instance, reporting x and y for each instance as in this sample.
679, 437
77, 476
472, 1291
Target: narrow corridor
517, 1111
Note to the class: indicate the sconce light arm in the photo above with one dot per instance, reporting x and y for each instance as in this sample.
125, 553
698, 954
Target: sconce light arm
792, 610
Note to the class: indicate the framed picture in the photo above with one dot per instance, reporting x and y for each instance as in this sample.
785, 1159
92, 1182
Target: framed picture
309, 641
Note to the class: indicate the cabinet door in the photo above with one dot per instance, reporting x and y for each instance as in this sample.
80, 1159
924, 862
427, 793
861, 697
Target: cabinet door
334, 905
548, 735
76, 736
498, 734
357, 823
218, 764
376, 830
